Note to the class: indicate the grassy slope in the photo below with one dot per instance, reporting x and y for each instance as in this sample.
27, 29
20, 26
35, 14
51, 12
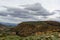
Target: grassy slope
53, 36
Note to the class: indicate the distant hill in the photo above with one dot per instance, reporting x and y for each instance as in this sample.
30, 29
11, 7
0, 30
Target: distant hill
8, 24
33, 27
3, 27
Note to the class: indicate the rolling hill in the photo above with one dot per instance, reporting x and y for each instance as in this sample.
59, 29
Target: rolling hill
36, 27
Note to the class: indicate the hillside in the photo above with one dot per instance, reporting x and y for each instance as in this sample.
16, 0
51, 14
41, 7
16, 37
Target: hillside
3, 27
36, 27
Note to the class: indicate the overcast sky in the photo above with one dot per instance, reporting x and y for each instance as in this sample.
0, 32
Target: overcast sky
15, 11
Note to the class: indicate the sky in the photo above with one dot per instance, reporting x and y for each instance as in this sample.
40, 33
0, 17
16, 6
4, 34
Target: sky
16, 11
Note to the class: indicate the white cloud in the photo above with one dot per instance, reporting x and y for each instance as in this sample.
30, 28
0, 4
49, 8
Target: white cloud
50, 5
11, 12
31, 13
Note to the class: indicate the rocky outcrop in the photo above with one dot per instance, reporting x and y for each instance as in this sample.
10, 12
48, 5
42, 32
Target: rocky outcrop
34, 27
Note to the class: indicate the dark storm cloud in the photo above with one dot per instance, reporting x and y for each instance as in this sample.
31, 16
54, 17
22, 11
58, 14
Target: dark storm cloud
35, 9
15, 12
38, 9
29, 12
2, 14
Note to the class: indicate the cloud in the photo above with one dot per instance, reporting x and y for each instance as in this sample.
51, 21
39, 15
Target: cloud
37, 9
33, 12
55, 16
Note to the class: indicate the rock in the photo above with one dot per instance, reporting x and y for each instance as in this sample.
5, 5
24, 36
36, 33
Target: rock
30, 28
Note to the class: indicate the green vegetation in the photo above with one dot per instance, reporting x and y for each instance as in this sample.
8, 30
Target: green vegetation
52, 36
40, 30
